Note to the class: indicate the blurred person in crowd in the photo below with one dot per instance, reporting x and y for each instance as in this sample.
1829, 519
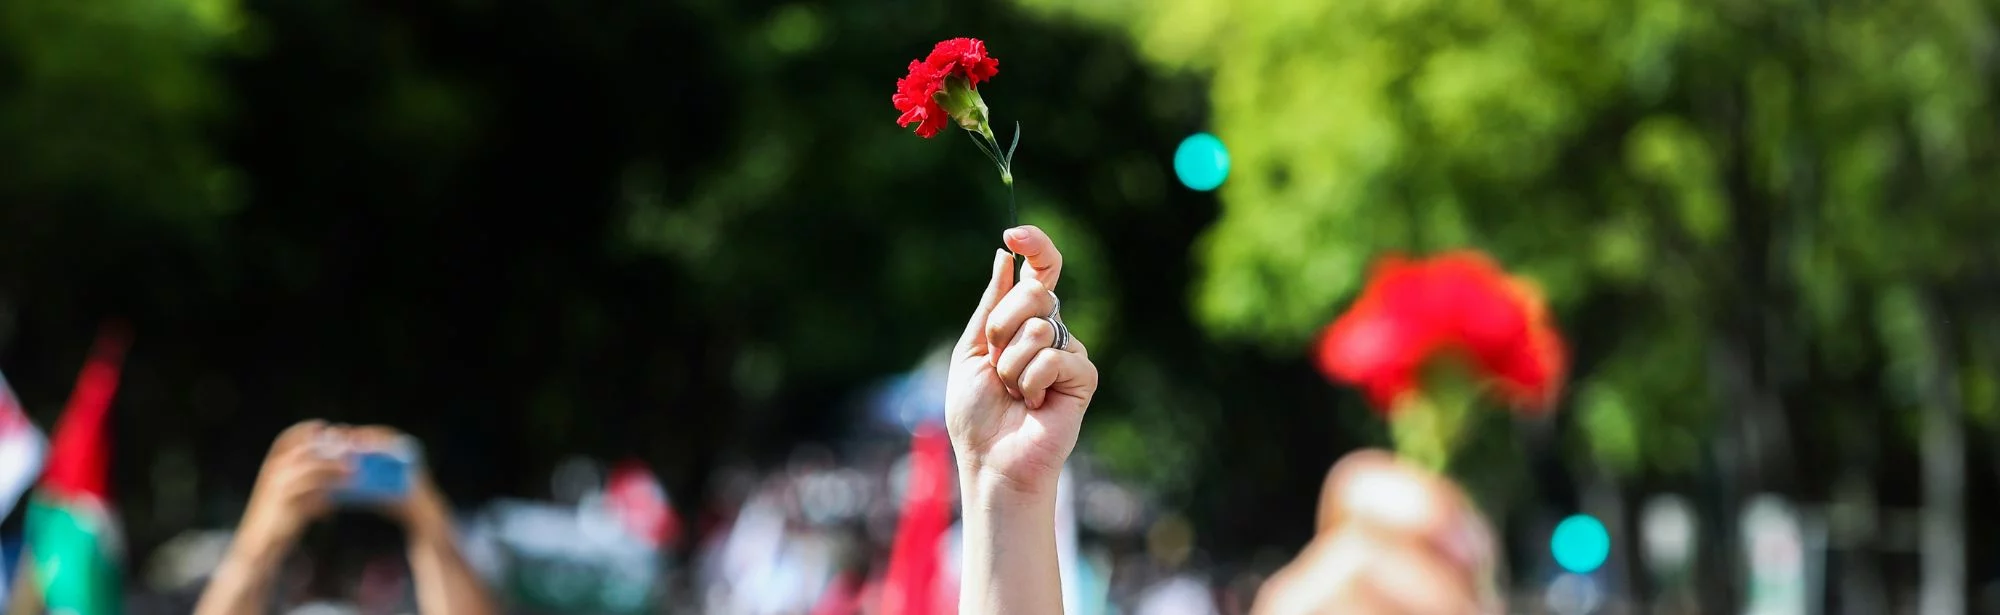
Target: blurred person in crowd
852, 588
296, 486
1390, 539
768, 561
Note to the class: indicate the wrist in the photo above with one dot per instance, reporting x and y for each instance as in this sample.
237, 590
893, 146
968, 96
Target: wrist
258, 546
428, 523
983, 487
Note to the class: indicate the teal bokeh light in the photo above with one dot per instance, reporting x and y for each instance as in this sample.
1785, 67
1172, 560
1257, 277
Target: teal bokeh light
1580, 544
1201, 162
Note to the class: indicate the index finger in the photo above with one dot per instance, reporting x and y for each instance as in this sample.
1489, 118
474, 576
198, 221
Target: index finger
1001, 281
297, 435
373, 436
1044, 260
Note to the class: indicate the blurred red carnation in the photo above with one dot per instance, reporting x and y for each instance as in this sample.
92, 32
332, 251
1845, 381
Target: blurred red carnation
1454, 304
917, 94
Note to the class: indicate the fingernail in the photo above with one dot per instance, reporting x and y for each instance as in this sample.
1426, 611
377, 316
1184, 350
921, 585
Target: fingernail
1019, 233
1387, 495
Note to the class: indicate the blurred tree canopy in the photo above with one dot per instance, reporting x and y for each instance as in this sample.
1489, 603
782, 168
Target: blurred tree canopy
1704, 190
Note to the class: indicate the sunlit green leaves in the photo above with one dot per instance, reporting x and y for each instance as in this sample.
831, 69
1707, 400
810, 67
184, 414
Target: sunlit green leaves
1608, 149
1668, 153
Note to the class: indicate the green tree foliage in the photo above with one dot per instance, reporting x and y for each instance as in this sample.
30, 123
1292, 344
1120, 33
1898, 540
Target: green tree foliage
106, 113
1688, 181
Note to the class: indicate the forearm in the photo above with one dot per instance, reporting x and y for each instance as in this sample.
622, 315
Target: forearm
446, 584
1009, 548
242, 584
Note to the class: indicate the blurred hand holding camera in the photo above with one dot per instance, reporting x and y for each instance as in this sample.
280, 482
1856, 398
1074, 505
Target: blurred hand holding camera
294, 487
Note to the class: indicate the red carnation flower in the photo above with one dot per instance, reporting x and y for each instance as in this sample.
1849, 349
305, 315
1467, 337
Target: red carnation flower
1380, 344
943, 88
1459, 303
916, 97
963, 57
924, 94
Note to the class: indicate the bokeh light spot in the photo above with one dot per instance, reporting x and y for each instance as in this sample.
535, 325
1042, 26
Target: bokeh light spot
1580, 544
1201, 162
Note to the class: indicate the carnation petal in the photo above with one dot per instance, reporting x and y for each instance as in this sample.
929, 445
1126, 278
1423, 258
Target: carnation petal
916, 93
1412, 312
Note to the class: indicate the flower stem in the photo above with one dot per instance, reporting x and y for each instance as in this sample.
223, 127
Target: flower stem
1013, 217
1420, 436
1003, 160
1007, 174
1428, 427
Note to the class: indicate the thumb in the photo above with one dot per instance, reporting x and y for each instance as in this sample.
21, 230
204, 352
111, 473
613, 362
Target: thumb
996, 287
1376, 490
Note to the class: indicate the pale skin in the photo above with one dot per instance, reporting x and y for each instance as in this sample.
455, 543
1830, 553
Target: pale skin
294, 489
1013, 407
1391, 538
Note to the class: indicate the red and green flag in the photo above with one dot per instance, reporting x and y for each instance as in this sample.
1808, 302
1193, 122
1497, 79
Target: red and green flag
912, 586
73, 535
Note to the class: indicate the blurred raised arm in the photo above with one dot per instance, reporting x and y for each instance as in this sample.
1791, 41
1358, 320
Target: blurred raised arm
446, 584
293, 488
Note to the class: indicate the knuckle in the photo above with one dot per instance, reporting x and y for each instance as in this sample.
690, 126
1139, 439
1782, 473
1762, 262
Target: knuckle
1038, 331
1044, 366
300, 429
1034, 290
1008, 365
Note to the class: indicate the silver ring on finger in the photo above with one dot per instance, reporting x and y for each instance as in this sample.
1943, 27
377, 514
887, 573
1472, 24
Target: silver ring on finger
1062, 337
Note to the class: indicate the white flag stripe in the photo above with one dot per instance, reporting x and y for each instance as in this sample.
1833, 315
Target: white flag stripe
23, 449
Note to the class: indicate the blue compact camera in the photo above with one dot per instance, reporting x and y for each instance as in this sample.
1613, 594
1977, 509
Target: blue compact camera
380, 476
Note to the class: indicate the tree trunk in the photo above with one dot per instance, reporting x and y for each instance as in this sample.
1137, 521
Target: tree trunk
1860, 590
1943, 450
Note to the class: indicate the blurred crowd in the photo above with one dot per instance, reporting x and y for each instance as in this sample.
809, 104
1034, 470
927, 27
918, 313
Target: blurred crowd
811, 536
841, 528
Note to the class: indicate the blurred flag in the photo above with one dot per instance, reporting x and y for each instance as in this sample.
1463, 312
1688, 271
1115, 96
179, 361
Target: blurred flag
74, 545
640, 502
912, 583
21, 450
